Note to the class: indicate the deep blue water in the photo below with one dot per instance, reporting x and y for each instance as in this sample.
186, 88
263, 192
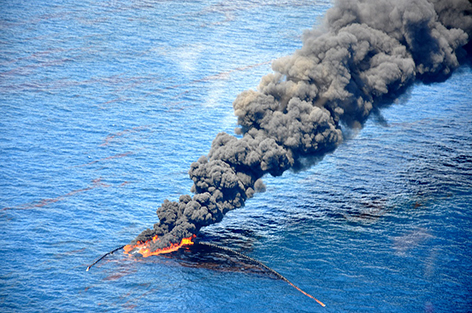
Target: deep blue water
103, 107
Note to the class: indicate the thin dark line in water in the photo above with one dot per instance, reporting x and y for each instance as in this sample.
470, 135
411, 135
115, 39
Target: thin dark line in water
262, 265
103, 256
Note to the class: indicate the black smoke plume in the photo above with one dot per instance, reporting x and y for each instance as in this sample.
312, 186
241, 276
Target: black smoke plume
366, 53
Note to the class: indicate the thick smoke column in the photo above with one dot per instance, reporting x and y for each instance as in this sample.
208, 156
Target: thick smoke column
366, 53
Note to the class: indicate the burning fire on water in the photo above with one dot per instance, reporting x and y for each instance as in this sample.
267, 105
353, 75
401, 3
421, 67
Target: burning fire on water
144, 247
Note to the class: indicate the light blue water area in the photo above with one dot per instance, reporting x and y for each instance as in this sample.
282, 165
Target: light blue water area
104, 105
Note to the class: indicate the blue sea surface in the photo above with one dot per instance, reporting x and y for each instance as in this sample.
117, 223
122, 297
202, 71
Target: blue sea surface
105, 104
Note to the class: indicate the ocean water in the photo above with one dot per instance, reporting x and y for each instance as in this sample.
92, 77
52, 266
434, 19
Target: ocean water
104, 105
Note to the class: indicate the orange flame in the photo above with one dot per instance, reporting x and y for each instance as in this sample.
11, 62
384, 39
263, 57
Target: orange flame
144, 247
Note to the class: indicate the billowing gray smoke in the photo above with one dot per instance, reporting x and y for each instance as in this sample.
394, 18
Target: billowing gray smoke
366, 53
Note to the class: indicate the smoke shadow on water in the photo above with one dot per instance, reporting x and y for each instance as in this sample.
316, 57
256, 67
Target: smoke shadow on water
215, 259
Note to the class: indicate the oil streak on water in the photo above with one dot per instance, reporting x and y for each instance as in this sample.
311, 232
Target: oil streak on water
104, 106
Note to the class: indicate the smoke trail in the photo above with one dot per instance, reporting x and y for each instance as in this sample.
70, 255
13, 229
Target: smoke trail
366, 53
